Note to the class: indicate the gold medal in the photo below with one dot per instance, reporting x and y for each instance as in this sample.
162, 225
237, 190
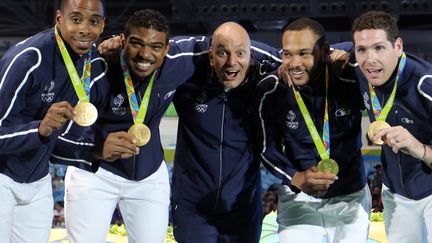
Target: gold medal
374, 128
85, 114
141, 133
328, 166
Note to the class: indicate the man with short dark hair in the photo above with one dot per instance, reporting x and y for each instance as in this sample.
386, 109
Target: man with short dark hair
38, 92
311, 139
396, 88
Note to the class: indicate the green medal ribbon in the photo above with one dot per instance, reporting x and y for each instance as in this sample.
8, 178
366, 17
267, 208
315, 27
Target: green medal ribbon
76, 80
138, 114
381, 113
322, 146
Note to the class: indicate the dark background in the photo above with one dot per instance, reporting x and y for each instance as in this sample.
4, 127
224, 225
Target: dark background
263, 19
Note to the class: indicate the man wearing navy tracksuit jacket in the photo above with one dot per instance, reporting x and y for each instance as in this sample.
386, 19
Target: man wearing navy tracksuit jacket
406, 156
140, 183
313, 205
179, 65
37, 96
216, 181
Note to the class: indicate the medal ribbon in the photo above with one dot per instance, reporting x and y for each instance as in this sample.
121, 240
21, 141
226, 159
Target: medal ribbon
138, 112
81, 85
323, 146
381, 113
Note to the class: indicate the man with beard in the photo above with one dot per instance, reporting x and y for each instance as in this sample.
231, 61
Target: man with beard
311, 139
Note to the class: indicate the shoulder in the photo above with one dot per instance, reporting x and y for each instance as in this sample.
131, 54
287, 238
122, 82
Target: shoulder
188, 46
420, 71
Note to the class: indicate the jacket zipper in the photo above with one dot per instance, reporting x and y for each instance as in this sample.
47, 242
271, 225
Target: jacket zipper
221, 150
398, 158
133, 167
36, 165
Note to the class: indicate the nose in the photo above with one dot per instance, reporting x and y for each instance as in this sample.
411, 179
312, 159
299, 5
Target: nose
231, 60
145, 51
371, 56
295, 61
84, 28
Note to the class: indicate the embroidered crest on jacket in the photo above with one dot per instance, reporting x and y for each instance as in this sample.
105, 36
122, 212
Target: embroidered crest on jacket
291, 123
116, 108
48, 96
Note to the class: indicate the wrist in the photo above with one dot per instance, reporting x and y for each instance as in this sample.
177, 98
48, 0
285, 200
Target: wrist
426, 156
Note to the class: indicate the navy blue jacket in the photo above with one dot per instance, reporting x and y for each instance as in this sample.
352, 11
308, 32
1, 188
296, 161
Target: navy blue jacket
412, 109
215, 165
32, 78
186, 57
178, 66
287, 146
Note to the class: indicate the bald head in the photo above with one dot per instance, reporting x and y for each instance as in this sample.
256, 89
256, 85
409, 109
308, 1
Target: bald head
230, 54
231, 30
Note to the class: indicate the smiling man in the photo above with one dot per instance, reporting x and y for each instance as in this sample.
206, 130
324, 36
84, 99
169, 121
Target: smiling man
132, 171
37, 97
316, 121
397, 90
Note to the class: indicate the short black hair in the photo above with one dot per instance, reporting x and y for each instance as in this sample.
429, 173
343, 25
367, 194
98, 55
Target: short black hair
306, 23
149, 19
63, 4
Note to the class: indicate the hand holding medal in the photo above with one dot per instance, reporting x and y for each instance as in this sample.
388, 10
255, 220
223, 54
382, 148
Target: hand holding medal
374, 128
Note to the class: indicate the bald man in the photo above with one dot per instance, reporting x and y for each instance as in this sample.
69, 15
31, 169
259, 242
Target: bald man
216, 187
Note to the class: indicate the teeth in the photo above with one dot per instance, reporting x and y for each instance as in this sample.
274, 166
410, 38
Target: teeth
297, 72
143, 64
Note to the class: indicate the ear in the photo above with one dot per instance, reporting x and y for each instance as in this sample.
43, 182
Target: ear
398, 45
325, 49
211, 56
252, 57
58, 17
122, 40
167, 47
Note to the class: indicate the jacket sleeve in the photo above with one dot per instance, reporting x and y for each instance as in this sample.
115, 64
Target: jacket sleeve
17, 77
269, 135
265, 52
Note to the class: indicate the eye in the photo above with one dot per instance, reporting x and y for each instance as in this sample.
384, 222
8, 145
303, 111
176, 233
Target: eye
95, 21
379, 48
76, 20
157, 47
286, 54
241, 53
305, 54
360, 50
221, 53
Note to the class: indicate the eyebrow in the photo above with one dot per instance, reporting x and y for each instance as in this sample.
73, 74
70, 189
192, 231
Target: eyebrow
80, 14
133, 38
301, 50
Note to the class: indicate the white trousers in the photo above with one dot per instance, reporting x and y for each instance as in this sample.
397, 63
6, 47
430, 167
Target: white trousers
407, 220
303, 218
26, 210
91, 198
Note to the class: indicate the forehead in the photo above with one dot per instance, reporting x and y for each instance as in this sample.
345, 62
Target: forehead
147, 35
230, 39
93, 7
294, 40
370, 36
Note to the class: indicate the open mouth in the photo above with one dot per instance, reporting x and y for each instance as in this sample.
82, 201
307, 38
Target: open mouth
231, 75
373, 72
